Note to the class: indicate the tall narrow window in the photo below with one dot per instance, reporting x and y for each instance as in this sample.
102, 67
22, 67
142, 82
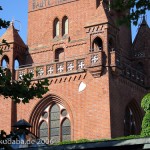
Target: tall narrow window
66, 130
56, 27
43, 131
132, 120
111, 45
55, 124
130, 125
59, 54
97, 44
65, 26
16, 64
5, 62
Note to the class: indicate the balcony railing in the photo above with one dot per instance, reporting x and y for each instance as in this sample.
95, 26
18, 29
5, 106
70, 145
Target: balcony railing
133, 74
138, 54
53, 69
93, 62
126, 70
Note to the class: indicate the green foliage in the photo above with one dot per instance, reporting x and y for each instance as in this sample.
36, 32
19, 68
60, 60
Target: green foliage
137, 8
4, 23
146, 125
145, 104
101, 140
2, 137
73, 142
21, 90
3, 42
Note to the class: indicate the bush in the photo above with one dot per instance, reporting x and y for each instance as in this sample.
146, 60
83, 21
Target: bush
145, 104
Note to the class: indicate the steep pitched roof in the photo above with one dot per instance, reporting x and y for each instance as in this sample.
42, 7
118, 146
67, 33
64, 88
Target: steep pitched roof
142, 37
11, 36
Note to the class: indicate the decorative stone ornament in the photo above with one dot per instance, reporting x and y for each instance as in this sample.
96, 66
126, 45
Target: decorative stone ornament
82, 86
50, 70
95, 61
40, 71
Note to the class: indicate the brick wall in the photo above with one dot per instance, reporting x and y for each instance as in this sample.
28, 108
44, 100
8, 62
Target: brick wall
97, 111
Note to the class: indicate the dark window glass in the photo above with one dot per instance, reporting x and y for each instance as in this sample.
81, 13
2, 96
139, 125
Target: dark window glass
55, 124
44, 131
59, 54
66, 130
97, 44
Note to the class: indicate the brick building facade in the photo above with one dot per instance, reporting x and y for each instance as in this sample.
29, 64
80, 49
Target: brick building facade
97, 76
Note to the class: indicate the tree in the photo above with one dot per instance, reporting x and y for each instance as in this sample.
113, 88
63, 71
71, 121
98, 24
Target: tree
145, 104
19, 90
137, 9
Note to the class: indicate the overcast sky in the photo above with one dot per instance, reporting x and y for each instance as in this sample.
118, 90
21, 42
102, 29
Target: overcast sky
17, 10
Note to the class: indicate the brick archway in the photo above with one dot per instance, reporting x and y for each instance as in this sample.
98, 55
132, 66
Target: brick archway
133, 114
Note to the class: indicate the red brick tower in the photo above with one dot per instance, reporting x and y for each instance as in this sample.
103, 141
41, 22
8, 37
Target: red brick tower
16, 52
95, 90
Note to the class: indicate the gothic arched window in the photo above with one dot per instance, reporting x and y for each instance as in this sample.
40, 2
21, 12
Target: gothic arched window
65, 26
16, 64
5, 62
43, 130
54, 124
97, 44
56, 27
66, 130
132, 120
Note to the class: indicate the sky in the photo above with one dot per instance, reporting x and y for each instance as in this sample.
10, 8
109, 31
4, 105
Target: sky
17, 10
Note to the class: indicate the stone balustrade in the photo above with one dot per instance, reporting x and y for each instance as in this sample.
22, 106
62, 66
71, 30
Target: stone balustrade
121, 68
92, 62
92, 59
133, 74
138, 54
53, 69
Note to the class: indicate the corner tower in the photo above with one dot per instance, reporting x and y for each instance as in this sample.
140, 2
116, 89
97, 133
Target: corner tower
12, 56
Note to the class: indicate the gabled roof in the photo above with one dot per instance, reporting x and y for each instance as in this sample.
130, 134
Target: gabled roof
142, 36
11, 36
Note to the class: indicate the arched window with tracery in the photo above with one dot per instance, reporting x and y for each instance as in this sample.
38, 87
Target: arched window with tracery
97, 44
56, 27
65, 26
5, 62
54, 124
132, 120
